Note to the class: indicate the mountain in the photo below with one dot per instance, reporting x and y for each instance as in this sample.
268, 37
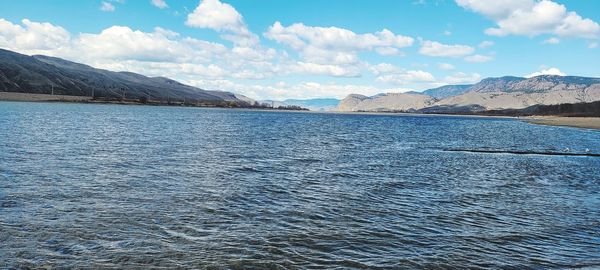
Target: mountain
40, 74
517, 93
538, 84
385, 102
447, 91
315, 104
489, 94
272, 103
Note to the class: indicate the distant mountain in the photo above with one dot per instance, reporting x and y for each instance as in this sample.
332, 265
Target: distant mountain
447, 91
272, 103
517, 93
538, 84
315, 104
386, 102
43, 74
489, 94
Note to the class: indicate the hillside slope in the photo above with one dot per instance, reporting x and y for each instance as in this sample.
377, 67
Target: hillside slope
43, 75
489, 94
385, 102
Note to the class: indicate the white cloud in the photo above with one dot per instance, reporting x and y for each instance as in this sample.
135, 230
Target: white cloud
217, 16
485, 44
162, 52
478, 58
406, 77
326, 45
160, 4
384, 68
224, 18
106, 6
551, 40
532, 18
33, 37
391, 74
434, 48
389, 51
549, 71
298, 35
592, 45
320, 69
445, 66
123, 43
319, 55
495, 9
461, 78
447, 33
283, 90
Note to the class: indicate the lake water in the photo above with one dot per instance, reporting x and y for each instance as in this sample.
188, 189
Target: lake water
104, 186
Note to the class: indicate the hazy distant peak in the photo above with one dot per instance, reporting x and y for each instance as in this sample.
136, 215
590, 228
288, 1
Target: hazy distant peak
508, 92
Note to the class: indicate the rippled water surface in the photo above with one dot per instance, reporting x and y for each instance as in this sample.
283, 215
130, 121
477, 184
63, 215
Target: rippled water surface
107, 186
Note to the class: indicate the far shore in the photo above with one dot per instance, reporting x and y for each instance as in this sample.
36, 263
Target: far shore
579, 122
14, 96
31, 97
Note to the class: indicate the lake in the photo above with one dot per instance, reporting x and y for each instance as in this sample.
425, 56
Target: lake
111, 186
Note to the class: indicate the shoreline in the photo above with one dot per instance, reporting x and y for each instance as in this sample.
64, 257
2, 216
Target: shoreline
562, 121
382, 113
46, 98
31, 97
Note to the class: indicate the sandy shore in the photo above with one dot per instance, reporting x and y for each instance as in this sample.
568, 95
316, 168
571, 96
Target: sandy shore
580, 122
11, 96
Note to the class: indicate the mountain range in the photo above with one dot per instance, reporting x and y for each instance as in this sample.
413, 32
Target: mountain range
40, 74
489, 94
314, 104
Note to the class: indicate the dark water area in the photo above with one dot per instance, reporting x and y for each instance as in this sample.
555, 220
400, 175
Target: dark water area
109, 186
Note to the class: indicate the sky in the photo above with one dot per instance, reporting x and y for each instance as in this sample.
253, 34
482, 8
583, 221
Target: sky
268, 49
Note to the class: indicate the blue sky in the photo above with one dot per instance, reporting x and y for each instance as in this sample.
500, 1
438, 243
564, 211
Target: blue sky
269, 49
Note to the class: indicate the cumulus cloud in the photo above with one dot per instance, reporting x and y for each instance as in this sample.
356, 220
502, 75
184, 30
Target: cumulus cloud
445, 66
160, 4
384, 68
549, 71
391, 74
495, 9
33, 37
437, 49
406, 77
419, 79
106, 6
532, 18
485, 44
224, 18
389, 51
322, 69
123, 43
333, 44
461, 78
284, 90
552, 40
478, 58
160, 53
